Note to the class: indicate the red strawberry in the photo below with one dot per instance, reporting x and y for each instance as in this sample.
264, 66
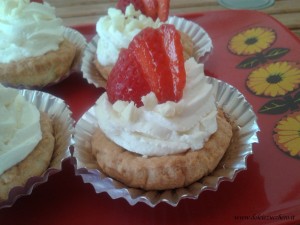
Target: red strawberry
125, 81
122, 4
151, 8
163, 9
174, 50
153, 62
149, 50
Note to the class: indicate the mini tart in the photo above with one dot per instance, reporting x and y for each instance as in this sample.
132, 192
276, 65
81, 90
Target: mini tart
34, 164
41, 70
161, 172
188, 52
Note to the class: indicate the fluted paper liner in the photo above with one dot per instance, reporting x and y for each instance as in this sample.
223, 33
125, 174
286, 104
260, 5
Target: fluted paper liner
80, 42
63, 129
202, 46
233, 104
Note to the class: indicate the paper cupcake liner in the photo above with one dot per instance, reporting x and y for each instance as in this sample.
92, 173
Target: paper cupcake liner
233, 104
202, 41
63, 126
88, 69
202, 46
80, 42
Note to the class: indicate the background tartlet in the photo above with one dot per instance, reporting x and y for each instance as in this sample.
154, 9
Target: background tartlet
36, 48
48, 69
202, 45
62, 124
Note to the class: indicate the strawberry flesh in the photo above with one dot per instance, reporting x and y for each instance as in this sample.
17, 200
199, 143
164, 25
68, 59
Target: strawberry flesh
125, 81
151, 8
163, 9
138, 5
153, 62
174, 50
150, 53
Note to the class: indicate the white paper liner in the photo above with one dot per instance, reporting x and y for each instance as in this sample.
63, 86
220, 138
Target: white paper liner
80, 42
63, 126
229, 99
202, 41
202, 46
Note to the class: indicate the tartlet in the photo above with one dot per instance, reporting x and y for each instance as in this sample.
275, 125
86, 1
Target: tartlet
38, 51
161, 172
39, 71
132, 140
47, 155
195, 40
244, 127
147, 137
34, 164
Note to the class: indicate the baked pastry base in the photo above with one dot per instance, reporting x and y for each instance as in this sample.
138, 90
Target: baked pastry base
188, 51
34, 164
163, 172
39, 71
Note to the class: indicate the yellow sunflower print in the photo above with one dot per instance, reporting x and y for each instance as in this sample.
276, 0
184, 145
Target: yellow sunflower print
287, 134
252, 41
274, 79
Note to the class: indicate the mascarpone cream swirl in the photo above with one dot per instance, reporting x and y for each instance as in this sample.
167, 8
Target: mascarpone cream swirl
27, 29
116, 30
20, 128
162, 129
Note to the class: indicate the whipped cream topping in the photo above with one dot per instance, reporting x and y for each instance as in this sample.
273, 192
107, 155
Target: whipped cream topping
116, 30
27, 29
20, 128
162, 129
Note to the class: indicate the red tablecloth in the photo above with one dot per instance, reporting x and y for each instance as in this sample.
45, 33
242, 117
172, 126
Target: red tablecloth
268, 192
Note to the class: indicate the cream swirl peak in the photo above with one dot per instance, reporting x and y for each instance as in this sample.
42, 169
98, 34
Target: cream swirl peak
27, 29
20, 129
116, 30
162, 129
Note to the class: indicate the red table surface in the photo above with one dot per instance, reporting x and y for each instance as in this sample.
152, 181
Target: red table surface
268, 192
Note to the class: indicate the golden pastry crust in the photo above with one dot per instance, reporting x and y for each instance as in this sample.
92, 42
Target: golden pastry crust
188, 51
39, 71
164, 172
34, 164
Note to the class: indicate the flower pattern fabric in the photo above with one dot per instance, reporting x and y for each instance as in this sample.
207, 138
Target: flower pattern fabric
275, 79
252, 41
272, 78
287, 134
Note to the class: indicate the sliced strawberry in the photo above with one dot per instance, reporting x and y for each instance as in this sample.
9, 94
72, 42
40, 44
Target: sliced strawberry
125, 81
174, 51
151, 8
149, 51
138, 5
163, 9
153, 62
